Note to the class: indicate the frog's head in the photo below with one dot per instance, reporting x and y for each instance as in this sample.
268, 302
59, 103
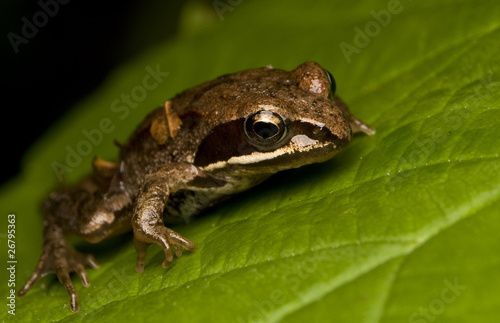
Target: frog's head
284, 120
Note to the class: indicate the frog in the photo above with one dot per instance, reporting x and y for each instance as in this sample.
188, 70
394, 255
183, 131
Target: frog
204, 145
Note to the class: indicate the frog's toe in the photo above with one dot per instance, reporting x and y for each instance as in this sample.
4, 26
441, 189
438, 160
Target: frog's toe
60, 259
35, 276
74, 262
180, 242
91, 261
141, 249
73, 295
166, 238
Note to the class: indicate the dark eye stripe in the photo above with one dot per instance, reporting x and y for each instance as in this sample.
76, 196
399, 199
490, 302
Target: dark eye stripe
225, 141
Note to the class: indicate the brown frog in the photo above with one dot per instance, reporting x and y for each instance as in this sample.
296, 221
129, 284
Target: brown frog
211, 141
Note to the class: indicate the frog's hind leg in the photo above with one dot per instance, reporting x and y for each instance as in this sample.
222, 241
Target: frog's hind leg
84, 211
60, 258
356, 124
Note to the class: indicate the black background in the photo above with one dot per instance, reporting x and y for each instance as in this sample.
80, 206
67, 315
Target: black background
66, 59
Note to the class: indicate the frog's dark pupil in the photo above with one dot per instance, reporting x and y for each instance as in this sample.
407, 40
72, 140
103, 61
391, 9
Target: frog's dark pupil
265, 129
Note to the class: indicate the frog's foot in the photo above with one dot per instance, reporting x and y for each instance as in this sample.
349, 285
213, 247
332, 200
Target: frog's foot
162, 236
59, 258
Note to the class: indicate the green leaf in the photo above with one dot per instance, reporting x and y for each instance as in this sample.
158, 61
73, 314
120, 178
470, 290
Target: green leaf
400, 227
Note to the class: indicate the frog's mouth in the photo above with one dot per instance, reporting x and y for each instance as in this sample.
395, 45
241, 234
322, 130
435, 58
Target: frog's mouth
307, 151
299, 150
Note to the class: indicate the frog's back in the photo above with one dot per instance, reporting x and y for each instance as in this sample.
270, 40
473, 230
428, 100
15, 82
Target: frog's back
193, 113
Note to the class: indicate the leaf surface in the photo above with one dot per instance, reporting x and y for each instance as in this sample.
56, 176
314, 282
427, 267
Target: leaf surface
400, 226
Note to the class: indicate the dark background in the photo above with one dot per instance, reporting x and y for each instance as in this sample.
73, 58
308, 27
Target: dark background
66, 59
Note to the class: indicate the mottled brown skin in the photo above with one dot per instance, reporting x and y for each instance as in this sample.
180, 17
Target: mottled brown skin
191, 153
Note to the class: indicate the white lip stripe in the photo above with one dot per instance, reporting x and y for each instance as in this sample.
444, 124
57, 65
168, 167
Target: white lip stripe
256, 156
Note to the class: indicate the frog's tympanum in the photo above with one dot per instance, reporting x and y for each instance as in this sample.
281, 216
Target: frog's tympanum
216, 139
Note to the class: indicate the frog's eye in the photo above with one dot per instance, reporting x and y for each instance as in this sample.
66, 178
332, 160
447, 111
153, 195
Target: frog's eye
333, 85
264, 128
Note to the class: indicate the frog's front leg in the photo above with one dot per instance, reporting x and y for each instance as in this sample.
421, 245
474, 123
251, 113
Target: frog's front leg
147, 221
